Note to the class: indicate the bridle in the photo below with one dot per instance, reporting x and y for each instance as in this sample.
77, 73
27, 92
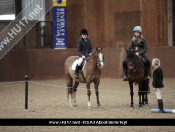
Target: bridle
98, 60
134, 64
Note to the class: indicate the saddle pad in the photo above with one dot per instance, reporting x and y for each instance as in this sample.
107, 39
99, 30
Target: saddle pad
75, 63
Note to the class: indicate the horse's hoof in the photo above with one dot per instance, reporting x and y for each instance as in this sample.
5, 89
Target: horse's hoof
132, 107
140, 106
89, 104
89, 107
75, 105
98, 106
71, 105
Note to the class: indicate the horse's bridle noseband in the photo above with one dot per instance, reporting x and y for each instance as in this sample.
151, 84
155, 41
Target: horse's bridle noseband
99, 61
134, 65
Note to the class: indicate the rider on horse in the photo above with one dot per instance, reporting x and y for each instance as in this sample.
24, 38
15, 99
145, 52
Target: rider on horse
84, 48
139, 46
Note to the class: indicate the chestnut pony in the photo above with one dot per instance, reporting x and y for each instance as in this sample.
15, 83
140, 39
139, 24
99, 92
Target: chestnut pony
91, 73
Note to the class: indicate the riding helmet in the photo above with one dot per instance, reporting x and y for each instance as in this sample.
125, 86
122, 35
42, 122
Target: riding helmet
137, 28
83, 31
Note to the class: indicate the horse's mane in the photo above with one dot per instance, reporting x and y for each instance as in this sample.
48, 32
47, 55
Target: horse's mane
92, 54
130, 53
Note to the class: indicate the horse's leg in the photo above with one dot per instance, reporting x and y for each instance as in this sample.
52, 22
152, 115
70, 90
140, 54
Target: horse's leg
74, 92
140, 93
143, 91
96, 84
69, 82
131, 93
88, 93
147, 91
142, 96
146, 98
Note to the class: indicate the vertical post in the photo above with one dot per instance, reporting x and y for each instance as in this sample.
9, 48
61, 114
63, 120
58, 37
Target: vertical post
38, 35
26, 92
170, 22
24, 38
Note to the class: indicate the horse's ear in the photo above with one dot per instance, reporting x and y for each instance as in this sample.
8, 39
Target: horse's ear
96, 49
101, 48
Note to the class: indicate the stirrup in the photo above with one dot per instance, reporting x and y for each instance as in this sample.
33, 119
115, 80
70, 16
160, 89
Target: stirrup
76, 75
125, 78
148, 78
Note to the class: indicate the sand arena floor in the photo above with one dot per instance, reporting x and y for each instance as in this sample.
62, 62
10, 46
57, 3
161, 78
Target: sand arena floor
48, 101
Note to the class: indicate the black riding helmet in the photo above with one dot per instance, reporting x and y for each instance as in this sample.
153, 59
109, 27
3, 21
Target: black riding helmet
83, 31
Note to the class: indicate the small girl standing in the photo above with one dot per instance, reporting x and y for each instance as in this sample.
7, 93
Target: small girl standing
158, 82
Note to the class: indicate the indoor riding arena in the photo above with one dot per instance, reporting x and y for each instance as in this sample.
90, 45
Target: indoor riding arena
110, 27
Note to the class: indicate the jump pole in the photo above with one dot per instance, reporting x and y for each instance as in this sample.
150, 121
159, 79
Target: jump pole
26, 92
164, 110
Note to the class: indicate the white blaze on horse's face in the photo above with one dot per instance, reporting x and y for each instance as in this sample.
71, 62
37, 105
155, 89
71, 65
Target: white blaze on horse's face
100, 55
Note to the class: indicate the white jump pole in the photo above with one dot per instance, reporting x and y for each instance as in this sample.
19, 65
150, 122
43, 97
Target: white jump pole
164, 110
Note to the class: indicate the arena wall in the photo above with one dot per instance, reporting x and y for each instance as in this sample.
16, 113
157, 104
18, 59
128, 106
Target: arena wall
42, 64
109, 23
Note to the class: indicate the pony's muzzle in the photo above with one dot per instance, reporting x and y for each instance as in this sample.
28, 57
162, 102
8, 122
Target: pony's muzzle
101, 64
130, 66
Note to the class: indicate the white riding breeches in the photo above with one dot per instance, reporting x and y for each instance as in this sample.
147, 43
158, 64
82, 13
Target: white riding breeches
80, 60
158, 93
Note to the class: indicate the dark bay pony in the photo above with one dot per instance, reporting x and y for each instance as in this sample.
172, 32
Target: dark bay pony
91, 71
136, 74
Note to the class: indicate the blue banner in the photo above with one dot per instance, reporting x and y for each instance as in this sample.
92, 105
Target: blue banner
59, 27
59, 1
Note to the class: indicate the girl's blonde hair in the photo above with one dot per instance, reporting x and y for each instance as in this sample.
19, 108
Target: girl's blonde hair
139, 38
156, 63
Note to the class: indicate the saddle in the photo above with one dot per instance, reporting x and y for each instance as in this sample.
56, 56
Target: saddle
143, 60
82, 67
82, 64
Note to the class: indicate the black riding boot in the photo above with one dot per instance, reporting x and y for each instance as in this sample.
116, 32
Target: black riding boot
76, 71
125, 78
148, 73
160, 105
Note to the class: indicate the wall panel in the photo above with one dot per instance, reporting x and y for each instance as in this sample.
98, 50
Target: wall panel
92, 21
109, 24
105, 16
49, 63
